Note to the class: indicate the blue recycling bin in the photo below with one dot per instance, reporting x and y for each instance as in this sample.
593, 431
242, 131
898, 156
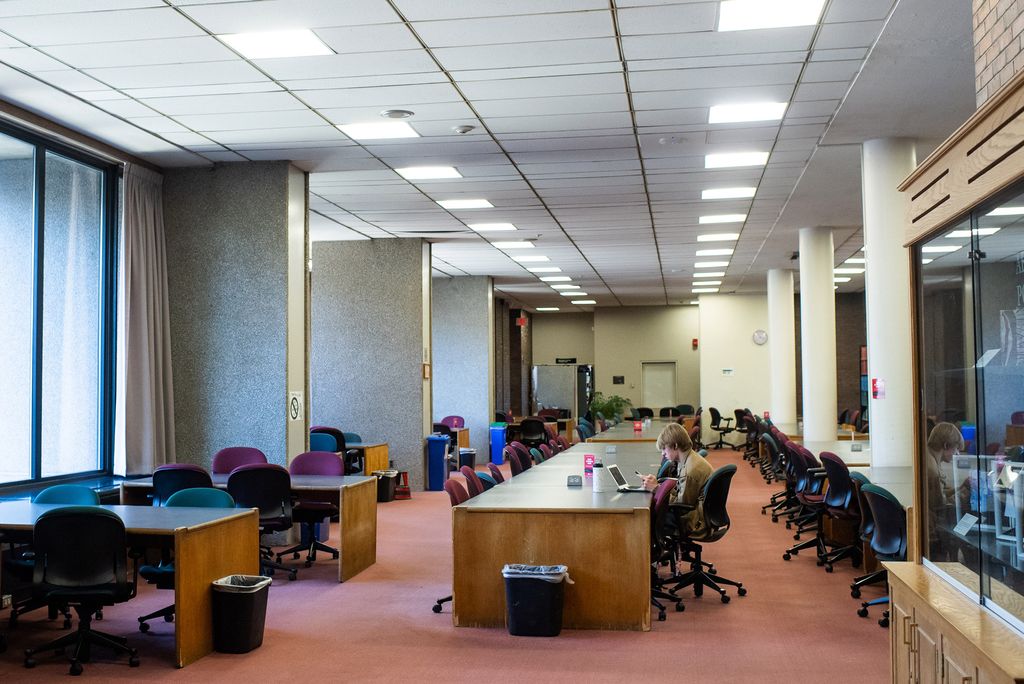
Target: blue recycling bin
437, 462
498, 444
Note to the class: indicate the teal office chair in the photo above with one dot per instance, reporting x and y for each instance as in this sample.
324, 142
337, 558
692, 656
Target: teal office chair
163, 575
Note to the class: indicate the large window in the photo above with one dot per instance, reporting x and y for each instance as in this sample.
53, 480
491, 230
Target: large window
971, 355
57, 239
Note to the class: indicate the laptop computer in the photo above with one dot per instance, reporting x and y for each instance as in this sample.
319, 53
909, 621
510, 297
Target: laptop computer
620, 480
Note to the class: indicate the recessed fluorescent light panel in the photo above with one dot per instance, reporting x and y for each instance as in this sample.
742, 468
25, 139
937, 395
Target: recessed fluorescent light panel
704, 290
978, 231
548, 308
518, 244
854, 271
694, 301
754, 111
730, 159
491, 227
840, 280
711, 264
574, 294
722, 218
466, 204
555, 279
927, 261
708, 282
1006, 211
718, 237
274, 44
855, 260
727, 193
428, 172
940, 249
714, 252
530, 258
743, 15
564, 286
544, 269
709, 274
378, 130
584, 301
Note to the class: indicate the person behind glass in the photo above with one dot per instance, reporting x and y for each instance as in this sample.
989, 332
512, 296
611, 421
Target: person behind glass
944, 442
692, 472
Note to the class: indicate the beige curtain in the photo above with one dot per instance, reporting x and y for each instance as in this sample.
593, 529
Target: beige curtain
147, 398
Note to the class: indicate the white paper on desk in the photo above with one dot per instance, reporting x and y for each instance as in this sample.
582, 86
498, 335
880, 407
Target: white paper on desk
966, 523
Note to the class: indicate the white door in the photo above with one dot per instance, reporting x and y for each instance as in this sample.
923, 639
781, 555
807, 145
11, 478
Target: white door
658, 385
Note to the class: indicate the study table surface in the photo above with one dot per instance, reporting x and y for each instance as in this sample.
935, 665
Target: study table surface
844, 449
357, 521
375, 455
796, 433
603, 538
624, 432
209, 543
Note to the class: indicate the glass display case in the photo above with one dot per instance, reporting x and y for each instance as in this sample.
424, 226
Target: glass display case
970, 358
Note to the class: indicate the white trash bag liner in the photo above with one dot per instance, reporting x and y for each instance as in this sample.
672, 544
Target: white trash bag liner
548, 573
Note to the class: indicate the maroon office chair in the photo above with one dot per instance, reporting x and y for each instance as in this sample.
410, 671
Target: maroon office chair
662, 548
473, 483
457, 495
555, 447
545, 450
563, 442
454, 421
513, 460
496, 473
229, 458
1017, 418
310, 513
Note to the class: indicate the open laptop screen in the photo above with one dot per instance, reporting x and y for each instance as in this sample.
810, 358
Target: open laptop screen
617, 475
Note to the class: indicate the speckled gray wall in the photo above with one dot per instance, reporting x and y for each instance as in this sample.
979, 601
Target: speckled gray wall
462, 355
227, 271
367, 344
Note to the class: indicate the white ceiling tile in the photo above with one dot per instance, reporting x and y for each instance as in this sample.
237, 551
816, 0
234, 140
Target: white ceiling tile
717, 43
376, 38
812, 108
160, 124
848, 35
126, 108
545, 106
100, 27
276, 15
735, 77
241, 121
362, 64
29, 59
708, 61
198, 73
834, 90
368, 82
71, 80
857, 10
582, 51
423, 10
224, 104
199, 90
583, 121
686, 18
840, 54
19, 8
544, 86
448, 112
527, 28
489, 74
142, 52
679, 99
838, 70
393, 97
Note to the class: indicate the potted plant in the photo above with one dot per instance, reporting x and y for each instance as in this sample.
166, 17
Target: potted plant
611, 406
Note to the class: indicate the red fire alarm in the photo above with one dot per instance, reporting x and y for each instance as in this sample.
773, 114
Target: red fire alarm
694, 343
521, 321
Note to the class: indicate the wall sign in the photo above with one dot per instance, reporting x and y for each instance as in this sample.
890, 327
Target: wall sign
565, 359
618, 379
295, 405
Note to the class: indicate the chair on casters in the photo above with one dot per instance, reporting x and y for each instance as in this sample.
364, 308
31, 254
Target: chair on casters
662, 548
867, 529
889, 540
716, 524
722, 430
229, 458
840, 505
496, 471
473, 482
456, 494
265, 486
21, 564
533, 432
669, 412
174, 477
645, 412
82, 561
309, 513
163, 575
353, 457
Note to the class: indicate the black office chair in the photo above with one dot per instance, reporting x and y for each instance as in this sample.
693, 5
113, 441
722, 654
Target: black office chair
685, 409
268, 487
889, 539
353, 457
310, 513
644, 412
716, 523
174, 477
82, 561
533, 432
722, 430
841, 504
669, 412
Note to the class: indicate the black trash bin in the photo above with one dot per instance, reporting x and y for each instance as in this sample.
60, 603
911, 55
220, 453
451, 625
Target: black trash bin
467, 457
239, 612
534, 597
386, 481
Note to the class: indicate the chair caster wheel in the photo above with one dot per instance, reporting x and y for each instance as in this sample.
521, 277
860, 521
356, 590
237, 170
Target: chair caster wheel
819, 562
884, 622
680, 607
30, 663
789, 526
133, 660
143, 627
334, 555
828, 568
854, 592
764, 512
436, 608
99, 614
725, 598
661, 616
308, 564
742, 591
75, 669
168, 618
279, 559
862, 612
775, 519
292, 576
785, 556
796, 537
67, 623
295, 556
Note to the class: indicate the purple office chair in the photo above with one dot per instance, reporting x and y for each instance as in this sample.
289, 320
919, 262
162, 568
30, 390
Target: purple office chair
496, 473
173, 477
545, 450
229, 458
309, 513
473, 483
513, 460
457, 495
268, 487
454, 421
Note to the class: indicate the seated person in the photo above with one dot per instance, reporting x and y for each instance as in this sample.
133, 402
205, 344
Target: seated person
944, 442
692, 472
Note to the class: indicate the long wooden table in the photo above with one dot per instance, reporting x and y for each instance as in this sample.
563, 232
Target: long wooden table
208, 543
355, 495
624, 432
603, 538
375, 455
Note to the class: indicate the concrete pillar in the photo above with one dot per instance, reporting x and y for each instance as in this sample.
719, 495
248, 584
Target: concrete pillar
781, 346
818, 334
884, 164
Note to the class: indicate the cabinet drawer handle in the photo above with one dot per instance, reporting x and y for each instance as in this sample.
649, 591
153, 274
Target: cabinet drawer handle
967, 679
913, 644
906, 630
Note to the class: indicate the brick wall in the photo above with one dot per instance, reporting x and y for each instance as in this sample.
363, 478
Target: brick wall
998, 34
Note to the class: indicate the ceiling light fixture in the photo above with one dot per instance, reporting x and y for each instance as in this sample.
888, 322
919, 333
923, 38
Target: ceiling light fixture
927, 261
574, 294
466, 204
548, 308
518, 244
583, 301
694, 301
727, 193
530, 258
704, 290
564, 286
714, 252
491, 227
722, 218
544, 269
378, 130
711, 264
1006, 211
428, 172
730, 159
397, 114
742, 15
709, 274
854, 271
276, 44
555, 279
841, 280
856, 260
702, 283
753, 111
718, 237
940, 249
977, 231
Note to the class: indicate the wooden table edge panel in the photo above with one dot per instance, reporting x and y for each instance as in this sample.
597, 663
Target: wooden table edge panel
205, 553
607, 593
357, 528
376, 457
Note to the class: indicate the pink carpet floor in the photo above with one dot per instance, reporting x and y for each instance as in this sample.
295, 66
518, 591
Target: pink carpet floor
797, 622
